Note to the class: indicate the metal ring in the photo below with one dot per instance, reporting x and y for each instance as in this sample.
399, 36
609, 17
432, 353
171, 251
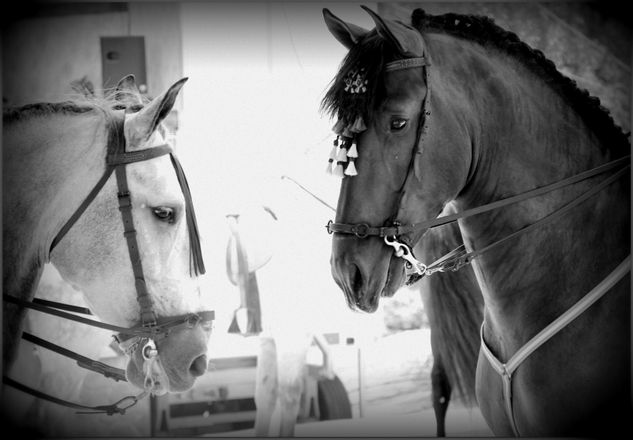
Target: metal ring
149, 350
361, 230
327, 227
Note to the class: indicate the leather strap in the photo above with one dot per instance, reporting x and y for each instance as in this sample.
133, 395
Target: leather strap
505, 370
80, 210
247, 283
148, 317
116, 408
406, 63
363, 230
84, 362
155, 332
459, 257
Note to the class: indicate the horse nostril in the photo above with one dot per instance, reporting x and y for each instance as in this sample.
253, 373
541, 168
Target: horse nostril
199, 366
357, 280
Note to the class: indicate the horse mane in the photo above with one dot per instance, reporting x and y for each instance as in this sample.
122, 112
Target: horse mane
83, 103
373, 55
43, 109
485, 31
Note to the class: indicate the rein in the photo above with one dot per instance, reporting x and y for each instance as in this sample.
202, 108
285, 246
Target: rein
150, 329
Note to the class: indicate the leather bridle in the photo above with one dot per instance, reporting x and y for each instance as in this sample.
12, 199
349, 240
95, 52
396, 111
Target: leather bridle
151, 328
392, 235
394, 231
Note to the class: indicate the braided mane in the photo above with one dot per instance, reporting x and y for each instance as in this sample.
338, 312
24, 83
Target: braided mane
83, 103
484, 31
372, 54
42, 109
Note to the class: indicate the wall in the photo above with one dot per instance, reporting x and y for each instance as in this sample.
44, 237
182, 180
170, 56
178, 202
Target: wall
44, 51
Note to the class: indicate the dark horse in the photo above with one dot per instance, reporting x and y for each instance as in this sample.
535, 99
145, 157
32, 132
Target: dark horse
455, 110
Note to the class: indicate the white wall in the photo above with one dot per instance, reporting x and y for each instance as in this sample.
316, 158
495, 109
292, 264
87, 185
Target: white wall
257, 72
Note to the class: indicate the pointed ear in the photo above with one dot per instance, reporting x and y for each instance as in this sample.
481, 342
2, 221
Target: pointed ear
346, 33
127, 93
406, 40
140, 126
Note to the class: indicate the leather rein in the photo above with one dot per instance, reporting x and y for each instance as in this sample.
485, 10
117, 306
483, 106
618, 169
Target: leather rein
459, 257
151, 328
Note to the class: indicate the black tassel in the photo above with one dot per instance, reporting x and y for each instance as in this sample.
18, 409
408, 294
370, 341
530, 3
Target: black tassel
195, 260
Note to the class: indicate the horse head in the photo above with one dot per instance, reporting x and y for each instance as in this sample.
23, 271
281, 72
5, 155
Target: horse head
95, 254
404, 169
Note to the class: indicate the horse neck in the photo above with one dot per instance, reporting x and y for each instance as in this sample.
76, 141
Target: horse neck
525, 135
50, 164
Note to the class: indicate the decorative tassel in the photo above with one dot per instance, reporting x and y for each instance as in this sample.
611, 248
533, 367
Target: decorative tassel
359, 125
350, 170
339, 126
353, 152
333, 153
342, 155
338, 170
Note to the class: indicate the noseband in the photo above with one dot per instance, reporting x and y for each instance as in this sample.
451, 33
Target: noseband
151, 328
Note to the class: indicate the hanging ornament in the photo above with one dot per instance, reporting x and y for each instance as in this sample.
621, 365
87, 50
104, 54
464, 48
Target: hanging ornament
352, 152
338, 127
338, 170
350, 170
359, 125
342, 155
355, 82
333, 152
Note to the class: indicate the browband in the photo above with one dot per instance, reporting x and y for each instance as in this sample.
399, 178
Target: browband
407, 63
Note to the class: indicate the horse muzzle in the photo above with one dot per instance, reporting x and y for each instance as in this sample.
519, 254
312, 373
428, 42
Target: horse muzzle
172, 364
364, 270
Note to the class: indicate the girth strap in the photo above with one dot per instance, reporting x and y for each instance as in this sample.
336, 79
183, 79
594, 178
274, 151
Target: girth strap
505, 370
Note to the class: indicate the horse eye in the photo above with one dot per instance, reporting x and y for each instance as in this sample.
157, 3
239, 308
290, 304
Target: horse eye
398, 124
164, 214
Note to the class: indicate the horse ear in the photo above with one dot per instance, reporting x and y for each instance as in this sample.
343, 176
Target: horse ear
346, 33
407, 41
141, 125
127, 93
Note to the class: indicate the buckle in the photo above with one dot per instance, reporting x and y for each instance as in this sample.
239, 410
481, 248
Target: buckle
361, 230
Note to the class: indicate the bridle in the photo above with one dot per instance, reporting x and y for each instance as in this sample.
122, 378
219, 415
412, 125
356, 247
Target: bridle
151, 328
392, 235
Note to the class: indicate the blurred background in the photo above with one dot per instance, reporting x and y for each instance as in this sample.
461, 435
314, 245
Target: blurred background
249, 115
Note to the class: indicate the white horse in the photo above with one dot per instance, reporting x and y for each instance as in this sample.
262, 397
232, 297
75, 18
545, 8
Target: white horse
53, 155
